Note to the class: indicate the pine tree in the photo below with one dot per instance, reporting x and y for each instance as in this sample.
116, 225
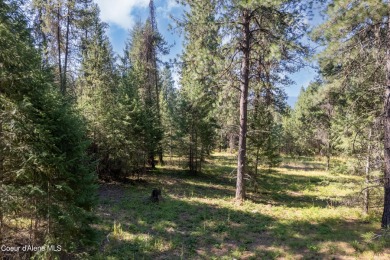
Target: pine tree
46, 175
356, 37
58, 25
97, 87
140, 61
168, 101
248, 23
198, 82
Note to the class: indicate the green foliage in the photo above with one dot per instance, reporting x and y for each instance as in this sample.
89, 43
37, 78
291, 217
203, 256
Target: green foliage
198, 83
140, 72
169, 112
45, 173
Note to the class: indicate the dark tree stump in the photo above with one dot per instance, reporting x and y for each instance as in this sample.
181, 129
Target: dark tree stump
156, 195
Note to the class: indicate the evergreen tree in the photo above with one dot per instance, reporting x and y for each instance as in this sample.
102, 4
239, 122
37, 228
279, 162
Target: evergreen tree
168, 101
97, 88
59, 29
140, 61
198, 82
247, 24
46, 175
356, 34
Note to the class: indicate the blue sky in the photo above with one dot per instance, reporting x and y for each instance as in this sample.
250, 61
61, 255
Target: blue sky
121, 15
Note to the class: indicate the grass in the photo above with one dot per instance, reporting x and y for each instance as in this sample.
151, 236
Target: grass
297, 213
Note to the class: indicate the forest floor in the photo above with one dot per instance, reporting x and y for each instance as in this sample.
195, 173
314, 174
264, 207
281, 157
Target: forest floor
299, 212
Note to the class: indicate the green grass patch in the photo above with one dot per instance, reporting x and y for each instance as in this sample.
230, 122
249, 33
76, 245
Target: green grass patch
296, 213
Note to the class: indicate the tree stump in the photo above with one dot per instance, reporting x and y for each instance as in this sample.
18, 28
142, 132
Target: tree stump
156, 195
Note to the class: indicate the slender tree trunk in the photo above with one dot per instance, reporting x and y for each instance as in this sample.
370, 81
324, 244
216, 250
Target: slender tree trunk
386, 206
368, 166
241, 162
1, 183
196, 151
231, 143
220, 143
48, 208
191, 159
68, 20
170, 144
160, 155
59, 46
328, 154
201, 158
327, 162
144, 165
45, 59
257, 160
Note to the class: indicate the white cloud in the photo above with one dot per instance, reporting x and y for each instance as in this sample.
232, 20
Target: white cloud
172, 4
176, 79
168, 7
119, 11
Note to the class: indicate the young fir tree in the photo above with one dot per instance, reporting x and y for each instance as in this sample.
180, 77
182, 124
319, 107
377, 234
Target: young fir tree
198, 82
140, 63
312, 122
168, 105
139, 97
97, 88
46, 176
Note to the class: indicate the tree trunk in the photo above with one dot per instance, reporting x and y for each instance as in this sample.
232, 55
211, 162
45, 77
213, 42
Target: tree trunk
366, 191
327, 161
59, 46
220, 143
257, 160
68, 20
231, 143
196, 152
386, 206
328, 153
151, 160
201, 159
170, 144
191, 159
160, 156
241, 162
1, 182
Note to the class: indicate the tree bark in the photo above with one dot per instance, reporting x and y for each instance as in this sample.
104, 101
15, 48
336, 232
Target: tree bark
196, 152
160, 155
241, 161
191, 159
368, 166
220, 142
231, 143
68, 21
257, 160
170, 144
1, 182
386, 206
59, 46
327, 161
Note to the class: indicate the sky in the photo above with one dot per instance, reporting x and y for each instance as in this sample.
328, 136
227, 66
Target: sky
122, 15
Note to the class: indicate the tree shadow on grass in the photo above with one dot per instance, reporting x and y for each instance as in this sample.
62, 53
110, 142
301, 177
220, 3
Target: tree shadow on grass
274, 188
302, 168
181, 228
